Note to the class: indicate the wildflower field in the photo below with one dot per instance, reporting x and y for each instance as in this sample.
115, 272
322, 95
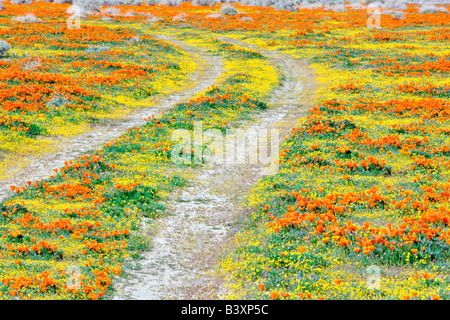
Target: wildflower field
359, 207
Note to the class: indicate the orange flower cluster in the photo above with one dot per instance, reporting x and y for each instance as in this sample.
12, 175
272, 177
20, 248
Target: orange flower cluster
427, 90
351, 87
424, 69
323, 212
427, 108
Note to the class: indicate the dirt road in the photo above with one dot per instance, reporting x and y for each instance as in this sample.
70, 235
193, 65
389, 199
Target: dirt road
202, 218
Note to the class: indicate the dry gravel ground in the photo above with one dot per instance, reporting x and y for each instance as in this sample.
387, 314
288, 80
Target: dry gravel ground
203, 217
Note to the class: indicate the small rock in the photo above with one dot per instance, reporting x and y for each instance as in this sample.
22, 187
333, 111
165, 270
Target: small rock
31, 18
